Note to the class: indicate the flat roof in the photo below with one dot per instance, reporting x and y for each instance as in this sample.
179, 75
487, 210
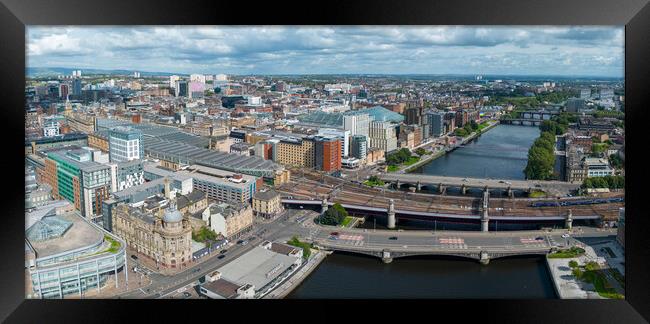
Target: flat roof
80, 235
253, 267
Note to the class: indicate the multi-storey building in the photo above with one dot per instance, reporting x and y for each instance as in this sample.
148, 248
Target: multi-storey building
382, 135
125, 144
99, 140
342, 135
358, 146
358, 124
267, 203
229, 219
436, 123
222, 186
86, 260
75, 177
327, 153
298, 152
81, 123
167, 240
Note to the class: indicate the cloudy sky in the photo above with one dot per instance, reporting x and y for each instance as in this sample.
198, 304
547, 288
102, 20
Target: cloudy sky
529, 50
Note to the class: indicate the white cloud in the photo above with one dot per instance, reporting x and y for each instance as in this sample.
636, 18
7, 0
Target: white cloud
326, 49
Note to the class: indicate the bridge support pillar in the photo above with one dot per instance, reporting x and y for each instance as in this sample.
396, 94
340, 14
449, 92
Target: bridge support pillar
441, 189
323, 206
510, 192
419, 186
391, 215
386, 257
463, 189
484, 258
569, 220
397, 185
485, 219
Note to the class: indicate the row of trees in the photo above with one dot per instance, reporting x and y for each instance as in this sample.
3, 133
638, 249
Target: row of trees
611, 182
541, 158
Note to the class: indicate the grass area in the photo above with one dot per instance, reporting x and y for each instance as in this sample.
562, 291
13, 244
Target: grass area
306, 247
392, 168
570, 253
598, 279
537, 194
371, 183
346, 221
412, 160
115, 245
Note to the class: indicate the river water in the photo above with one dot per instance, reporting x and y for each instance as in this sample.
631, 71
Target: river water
353, 276
499, 153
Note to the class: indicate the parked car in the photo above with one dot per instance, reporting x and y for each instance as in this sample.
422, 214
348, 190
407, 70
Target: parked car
187, 294
565, 235
223, 251
221, 256
393, 238
334, 233
134, 257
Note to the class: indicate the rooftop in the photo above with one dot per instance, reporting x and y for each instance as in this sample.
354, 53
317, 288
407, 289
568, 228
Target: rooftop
258, 267
222, 287
79, 235
266, 195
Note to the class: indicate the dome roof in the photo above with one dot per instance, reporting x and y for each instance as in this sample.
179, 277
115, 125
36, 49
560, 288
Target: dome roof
172, 215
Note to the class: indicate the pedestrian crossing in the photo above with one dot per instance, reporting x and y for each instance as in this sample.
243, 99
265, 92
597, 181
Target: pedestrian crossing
453, 243
351, 242
532, 241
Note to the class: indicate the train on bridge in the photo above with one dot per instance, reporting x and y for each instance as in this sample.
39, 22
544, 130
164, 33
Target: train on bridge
577, 202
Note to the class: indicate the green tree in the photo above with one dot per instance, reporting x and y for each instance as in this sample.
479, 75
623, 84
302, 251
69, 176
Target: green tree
573, 263
334, 215
420, 151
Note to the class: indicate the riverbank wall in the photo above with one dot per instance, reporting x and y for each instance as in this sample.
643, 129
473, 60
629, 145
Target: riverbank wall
294, 281
445, 151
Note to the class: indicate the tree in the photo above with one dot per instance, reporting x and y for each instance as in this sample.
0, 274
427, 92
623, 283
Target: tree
573, 263
334, 215
420, 151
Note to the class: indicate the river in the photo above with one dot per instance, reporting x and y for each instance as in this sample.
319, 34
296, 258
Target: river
499, 153
353, 276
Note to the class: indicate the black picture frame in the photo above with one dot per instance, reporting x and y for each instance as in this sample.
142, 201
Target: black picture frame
634, 14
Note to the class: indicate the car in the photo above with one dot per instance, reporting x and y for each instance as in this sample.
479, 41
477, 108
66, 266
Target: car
334, 233
539, 238
187, 294
501, 181
244, 242
134, 257
565, 235
240, 241
221, 256
223, 251
334, 238
393, 238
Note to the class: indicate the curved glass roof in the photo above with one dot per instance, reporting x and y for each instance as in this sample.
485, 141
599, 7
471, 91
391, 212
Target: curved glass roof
376, 113
48, 228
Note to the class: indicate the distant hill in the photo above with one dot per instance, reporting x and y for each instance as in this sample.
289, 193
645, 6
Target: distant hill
54, 71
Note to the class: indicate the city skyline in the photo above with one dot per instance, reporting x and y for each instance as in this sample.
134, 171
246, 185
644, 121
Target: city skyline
434, 50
